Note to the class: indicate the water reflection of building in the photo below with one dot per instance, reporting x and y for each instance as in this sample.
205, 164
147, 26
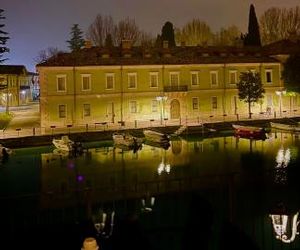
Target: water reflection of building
109, 173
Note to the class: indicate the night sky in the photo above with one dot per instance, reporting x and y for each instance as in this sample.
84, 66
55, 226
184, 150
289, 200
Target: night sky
34, 25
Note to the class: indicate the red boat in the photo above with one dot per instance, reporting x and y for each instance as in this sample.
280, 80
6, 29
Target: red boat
249, 132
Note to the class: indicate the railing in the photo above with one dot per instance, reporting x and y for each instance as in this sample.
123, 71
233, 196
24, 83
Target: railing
176, 88
196, 120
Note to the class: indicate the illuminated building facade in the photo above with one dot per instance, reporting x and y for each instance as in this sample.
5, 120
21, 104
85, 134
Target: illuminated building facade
16, 85
133, 85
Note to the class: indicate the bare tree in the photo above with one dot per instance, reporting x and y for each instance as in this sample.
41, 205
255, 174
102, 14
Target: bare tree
146, 39
127, 30
277, 24
100, 29
227, 36
195, 32
45, 54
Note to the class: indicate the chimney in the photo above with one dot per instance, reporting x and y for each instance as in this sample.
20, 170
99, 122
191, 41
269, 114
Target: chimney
87, 44
165, 44
126, 44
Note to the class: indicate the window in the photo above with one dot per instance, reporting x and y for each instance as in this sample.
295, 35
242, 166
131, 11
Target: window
62, 111
133, 106
153, 79
214, 78
233, 77
110, 81
269, 100
194, 78
154, 105
86, 82
61, 83
214, 102
174, 78
132, 79
269, 76
86, 110
195, 102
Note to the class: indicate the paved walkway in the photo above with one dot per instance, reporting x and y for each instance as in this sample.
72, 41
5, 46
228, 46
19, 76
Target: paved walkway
26, 122
25, 117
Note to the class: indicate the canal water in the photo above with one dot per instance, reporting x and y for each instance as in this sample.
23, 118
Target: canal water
212, 193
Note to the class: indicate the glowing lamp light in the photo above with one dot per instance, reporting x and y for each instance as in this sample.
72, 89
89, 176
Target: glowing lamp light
71, 165
162, 167
23, 92
280, 222
80, 178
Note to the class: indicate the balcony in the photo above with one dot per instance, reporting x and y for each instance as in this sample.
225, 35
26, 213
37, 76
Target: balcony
24, 87
182, 88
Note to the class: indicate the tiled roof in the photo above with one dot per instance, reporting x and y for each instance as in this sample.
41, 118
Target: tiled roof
282, 47
141, 56
13, 69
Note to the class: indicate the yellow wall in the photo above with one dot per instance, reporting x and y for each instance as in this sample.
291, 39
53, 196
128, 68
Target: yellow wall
99, 97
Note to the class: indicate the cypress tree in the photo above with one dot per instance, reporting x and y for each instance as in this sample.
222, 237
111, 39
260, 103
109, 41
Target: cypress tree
252, 38
3, 39
167, 34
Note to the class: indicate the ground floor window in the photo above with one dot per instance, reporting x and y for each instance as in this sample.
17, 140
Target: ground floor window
195, 102
154, 106
214, 102
133, 107
62, 111
86, 110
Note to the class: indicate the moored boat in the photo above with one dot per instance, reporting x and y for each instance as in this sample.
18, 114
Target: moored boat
249, 132
155, 136
283, 126
126, 140
4, 151
63, 144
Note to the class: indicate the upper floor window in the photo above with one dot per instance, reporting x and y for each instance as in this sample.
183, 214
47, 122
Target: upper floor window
233, 77
194, 78
110, 80
214, 102
195, 102
86, 110
214, 78
269, 76
86, 82
174, 78
153, 79
62, 111
133, 106
132, 80
61, 81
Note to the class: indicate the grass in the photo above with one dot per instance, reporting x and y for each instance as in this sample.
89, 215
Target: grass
5, 119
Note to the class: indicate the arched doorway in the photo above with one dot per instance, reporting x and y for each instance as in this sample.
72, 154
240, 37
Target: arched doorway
175, 109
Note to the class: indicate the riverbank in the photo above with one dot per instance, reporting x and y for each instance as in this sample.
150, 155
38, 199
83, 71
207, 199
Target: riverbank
209, 129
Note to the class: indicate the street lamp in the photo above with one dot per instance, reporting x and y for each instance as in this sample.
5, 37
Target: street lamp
161, 99
280, 93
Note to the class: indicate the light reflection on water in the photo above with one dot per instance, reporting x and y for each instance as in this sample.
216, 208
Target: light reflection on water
243, 180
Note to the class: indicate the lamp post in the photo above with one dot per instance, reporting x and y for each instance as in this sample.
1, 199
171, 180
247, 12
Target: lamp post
280, 93
161, 99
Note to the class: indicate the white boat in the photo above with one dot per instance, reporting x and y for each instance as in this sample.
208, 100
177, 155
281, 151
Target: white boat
156, 136
285, 126
4, 151
127, 140
63, 144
